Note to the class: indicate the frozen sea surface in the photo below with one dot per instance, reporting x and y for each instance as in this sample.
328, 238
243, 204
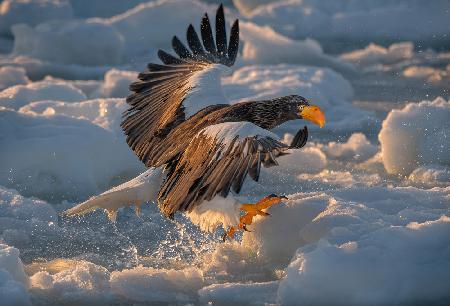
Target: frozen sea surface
368, 216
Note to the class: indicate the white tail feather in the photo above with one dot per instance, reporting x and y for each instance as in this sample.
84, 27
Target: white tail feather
143, 188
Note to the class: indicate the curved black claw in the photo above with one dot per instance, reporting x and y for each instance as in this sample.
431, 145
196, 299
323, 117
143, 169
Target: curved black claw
273, 195
244, 227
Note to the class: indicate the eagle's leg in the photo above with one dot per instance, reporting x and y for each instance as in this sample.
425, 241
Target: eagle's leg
252, 210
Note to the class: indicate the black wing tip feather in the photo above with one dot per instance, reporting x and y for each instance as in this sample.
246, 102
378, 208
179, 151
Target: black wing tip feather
221, 32
207, 49
194, 42
180, 49
169, 59
207, 35
233, 46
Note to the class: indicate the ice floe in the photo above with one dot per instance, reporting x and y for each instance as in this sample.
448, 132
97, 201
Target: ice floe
416, 135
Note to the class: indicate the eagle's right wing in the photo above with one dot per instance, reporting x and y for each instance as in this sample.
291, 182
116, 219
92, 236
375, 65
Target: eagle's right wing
217, 160
156, 106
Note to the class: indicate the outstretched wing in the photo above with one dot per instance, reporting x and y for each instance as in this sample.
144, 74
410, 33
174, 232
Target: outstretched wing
156, 106
216, 160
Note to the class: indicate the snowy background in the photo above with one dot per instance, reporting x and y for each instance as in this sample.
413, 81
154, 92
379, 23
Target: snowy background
368, 220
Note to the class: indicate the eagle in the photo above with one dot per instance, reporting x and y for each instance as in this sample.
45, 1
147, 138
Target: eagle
198, 147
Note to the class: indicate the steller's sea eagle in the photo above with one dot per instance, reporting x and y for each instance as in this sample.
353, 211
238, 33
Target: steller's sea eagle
198, 147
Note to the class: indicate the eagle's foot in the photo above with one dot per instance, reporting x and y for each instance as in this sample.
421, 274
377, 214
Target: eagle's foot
251, 211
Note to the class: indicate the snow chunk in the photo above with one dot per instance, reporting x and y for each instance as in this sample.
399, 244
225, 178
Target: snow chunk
84, 42
58, 157
430, 176
262, 45
116, 84
39, 69
10, 76
20, 95
393, 265
31, 12
416, 135
11, 263
88, 87
357, 148
277, 237
157, 285
374, 54
106, 113
13, 280
428, 74
78, 282
338, 178
75, 275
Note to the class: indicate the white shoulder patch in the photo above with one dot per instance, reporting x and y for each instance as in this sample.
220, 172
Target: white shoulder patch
226, 132
206, 89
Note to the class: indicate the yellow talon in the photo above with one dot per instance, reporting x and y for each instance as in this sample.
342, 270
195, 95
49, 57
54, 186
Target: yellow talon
252, 210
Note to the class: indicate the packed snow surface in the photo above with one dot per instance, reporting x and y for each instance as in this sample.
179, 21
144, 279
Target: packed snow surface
374, 54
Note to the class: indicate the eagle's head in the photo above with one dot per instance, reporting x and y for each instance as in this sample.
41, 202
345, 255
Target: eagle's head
305, 110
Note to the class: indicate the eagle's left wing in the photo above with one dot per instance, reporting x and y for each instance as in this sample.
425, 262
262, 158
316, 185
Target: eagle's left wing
166, 95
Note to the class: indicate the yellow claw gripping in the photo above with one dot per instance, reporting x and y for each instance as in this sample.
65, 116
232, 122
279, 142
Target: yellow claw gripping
251, 211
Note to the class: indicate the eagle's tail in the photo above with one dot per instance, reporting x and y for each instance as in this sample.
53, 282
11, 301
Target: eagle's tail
143, 188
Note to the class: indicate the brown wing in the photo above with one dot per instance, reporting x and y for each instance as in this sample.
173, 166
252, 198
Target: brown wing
213, 164
156, 104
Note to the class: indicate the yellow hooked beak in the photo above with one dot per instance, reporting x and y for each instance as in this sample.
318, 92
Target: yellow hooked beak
314, 114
